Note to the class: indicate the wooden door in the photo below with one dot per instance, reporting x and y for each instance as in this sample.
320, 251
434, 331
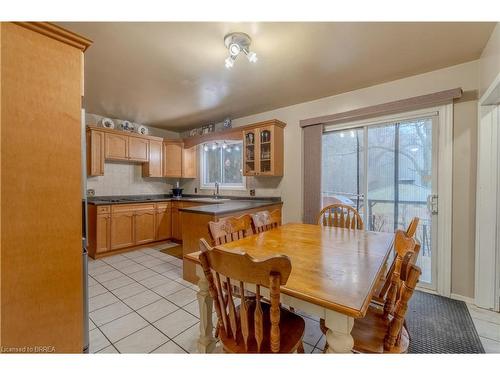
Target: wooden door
122, 229
163, 224
116, 146
40, 182
189, 162
95, 153
265, 136
250, 153
176, 223
154, 167
138, 149
172, 154
144, 226
103, 226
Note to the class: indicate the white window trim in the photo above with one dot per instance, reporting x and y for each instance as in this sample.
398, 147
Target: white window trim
445, 181
203, 186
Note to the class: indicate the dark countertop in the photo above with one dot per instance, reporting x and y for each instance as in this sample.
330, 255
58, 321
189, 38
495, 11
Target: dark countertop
228, 204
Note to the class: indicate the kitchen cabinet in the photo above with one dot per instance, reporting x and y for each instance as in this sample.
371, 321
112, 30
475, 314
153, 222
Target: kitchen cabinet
176, 222
189, 164
172, 158
95, 153
103, 230
154, 167
163, 223
144, 225
116, 146
263, 150
122, 227
138, 149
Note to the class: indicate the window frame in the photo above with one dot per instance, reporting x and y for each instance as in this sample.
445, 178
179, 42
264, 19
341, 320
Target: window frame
222, 186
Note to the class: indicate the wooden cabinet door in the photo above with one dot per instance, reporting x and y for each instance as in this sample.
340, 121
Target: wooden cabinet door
163, 224
154, 168
103, 223
189, 158
122, 230
95, 153
144, 227
116, 146
250, 152
138, 149
172, 154
176, 224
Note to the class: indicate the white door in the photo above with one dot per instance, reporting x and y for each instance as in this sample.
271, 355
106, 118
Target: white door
395, 166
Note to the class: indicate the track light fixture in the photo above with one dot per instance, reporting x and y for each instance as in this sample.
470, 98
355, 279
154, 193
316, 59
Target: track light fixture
236, 43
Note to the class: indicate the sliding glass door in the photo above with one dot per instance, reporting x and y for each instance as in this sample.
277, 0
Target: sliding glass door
388, 172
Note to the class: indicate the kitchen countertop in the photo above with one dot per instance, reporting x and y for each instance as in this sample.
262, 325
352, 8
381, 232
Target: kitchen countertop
226, 204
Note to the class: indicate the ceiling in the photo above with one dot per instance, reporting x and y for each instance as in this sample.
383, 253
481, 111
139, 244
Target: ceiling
171, 75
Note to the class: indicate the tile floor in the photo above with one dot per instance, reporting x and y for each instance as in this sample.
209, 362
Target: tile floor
139, 303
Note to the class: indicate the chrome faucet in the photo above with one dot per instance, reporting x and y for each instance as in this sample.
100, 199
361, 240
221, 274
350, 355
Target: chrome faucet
216, 191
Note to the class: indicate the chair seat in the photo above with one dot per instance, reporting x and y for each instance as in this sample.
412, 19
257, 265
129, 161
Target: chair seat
369, 333
291, 332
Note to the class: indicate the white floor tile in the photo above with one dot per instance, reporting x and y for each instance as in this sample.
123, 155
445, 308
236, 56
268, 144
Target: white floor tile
96, 289
100, 270
483, 314
141, 275
109, 313
188, 340
124, 326
124, 264
487, 329
97, 341
177, 262
173, 324
174, 273
101, 300
182, 297
169, 348
490, 346
108, 350
128, 270
95, 264
152, 262
155, 280
118, 282
312, 332
108, 276
308, 348
133, 254
91, 325
114, 259
163, 267
91, 281
144, 258
193, 308
168, 288
129, 290
157, 310
142, 341
141, 299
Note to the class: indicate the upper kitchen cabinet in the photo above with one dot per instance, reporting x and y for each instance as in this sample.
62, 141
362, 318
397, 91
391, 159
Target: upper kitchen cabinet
95, 152
116, 146
138, 149
189, 164
263, 149
154, 167
172, 158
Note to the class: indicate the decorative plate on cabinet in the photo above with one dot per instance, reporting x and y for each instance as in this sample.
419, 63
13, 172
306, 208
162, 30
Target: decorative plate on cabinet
126, 126
107, 123
141, 129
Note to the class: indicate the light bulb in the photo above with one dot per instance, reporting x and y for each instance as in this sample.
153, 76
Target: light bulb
234, 49
252, 57
229, 62
205, 148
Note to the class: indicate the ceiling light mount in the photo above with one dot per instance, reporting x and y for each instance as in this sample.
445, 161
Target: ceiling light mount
237, 43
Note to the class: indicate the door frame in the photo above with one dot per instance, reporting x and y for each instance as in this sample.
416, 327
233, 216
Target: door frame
487, 252
444, 113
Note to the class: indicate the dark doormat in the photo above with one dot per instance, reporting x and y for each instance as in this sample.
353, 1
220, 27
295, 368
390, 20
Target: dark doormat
175, 251
440, 325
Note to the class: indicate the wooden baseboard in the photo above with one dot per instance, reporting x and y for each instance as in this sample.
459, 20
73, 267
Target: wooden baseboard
132, 248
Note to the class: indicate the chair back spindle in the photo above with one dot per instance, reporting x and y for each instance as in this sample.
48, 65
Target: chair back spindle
264, 220
341, 216
230, 229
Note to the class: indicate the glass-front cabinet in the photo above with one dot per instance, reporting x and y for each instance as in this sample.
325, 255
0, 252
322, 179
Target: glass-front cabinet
263, 149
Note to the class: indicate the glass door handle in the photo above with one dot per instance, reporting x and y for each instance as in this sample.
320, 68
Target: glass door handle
432, 203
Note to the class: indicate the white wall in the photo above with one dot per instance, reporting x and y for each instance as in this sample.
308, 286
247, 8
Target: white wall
489, 63
465, 76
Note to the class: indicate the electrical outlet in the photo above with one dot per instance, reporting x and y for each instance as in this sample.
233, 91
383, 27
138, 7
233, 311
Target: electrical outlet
252, 192
195, 190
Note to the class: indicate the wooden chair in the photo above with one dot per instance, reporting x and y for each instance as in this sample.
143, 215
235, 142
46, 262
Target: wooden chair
230, 229
254, 326
385, 282
376, 334
263, 220
340, 215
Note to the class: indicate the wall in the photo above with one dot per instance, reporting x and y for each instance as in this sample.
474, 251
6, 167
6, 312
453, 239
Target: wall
489, 63
463, 75
126, 178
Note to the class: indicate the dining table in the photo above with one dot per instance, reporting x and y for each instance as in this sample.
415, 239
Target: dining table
334, 275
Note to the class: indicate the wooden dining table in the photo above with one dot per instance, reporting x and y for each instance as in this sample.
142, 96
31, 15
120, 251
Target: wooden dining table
334, 275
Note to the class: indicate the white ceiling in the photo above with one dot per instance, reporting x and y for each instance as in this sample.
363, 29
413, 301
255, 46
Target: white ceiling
172, 75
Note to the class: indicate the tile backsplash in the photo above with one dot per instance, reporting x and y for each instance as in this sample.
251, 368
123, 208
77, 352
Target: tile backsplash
126, 179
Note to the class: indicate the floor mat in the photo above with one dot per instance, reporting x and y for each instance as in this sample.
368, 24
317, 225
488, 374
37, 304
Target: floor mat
175, 251
440, 325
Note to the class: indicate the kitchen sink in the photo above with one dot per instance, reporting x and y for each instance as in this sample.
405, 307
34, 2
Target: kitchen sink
209, 199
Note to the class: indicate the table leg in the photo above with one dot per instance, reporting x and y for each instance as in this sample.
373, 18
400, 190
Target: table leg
206, 341
338, 336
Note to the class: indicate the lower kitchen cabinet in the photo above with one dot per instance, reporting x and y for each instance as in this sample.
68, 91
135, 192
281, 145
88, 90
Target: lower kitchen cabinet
103, 227
144, 227
176, 223
122, 229
163, 222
